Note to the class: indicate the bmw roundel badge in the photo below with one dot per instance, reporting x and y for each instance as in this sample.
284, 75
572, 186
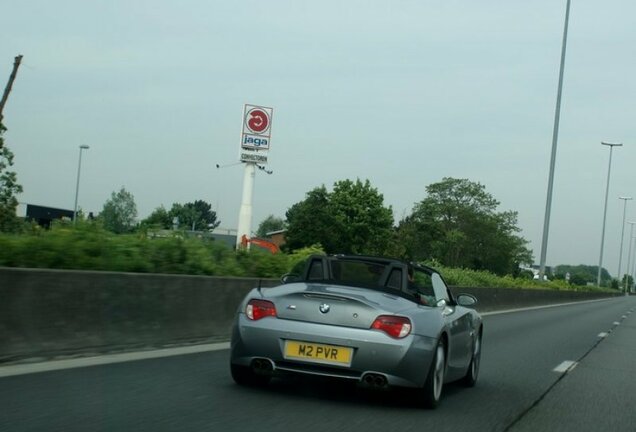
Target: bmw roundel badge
324, 308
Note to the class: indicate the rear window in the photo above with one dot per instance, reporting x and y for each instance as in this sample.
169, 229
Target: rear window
357, 272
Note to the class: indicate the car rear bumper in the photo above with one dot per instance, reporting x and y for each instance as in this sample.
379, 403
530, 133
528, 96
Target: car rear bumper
402, 362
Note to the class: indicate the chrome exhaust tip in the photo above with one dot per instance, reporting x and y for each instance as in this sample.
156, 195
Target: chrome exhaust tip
375, 380
262, 366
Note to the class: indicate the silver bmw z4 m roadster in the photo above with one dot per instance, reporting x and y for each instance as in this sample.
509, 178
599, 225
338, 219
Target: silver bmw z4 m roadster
380, 322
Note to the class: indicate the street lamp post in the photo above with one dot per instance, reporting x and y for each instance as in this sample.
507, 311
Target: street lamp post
633, 273
620, 255
79, 168
609, 170
629, 255
555, 136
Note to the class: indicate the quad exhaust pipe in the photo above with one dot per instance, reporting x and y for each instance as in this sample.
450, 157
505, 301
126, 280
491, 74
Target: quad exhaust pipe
262, 366
375, 380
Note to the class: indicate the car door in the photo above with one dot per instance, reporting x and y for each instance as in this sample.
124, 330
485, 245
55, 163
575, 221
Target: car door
459, 323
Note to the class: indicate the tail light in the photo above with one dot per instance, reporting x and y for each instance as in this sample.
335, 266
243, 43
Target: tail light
257, 309
395, 326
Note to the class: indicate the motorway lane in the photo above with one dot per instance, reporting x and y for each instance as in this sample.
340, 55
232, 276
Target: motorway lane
525, 350
599, 394
195, 392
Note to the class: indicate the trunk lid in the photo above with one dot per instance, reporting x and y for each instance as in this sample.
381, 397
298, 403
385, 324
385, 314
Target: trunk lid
334, 304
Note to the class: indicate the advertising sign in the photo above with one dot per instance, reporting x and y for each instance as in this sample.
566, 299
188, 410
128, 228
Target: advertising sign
257, 127
259, 157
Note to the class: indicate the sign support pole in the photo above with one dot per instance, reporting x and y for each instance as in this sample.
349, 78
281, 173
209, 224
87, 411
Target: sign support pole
245, 213
255, 137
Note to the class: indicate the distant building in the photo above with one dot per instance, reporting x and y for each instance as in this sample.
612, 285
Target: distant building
227, 239
43, 215
227, 236
277, 237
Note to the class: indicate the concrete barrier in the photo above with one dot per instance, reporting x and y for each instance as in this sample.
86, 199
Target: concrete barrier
46, 313
493, 299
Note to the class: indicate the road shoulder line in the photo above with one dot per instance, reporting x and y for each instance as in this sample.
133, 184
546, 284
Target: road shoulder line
499, 312
53, 365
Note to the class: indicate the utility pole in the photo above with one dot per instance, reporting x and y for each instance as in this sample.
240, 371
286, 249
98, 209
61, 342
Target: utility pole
7, 89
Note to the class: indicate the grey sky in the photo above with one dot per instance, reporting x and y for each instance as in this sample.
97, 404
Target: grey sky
403, 93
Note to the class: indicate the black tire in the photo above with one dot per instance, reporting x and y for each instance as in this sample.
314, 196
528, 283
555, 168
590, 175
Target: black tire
473, 368
243, 375
431, 393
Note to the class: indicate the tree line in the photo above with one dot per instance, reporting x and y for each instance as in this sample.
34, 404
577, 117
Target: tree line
457, 223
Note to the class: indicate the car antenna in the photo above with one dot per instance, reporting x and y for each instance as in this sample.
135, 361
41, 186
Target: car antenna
259, 286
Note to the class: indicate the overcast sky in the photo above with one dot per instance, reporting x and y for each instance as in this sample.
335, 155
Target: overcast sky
403, 93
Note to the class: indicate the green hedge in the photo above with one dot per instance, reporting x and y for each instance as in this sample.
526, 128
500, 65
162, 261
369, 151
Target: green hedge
88, 246
473, 278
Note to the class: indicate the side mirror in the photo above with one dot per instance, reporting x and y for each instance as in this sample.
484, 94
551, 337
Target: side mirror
446, 309
289, 278
466, 300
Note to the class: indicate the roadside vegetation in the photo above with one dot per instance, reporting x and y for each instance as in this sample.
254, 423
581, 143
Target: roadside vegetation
89, 246
456, 228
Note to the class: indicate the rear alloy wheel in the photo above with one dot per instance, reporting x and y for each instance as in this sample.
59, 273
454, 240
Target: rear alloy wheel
431, 393
473, 369
243, 375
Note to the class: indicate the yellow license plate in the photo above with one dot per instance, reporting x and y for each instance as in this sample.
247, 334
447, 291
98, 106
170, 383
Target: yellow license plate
318, 353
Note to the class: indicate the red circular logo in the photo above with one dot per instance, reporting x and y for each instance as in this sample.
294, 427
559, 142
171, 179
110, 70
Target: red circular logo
257, 120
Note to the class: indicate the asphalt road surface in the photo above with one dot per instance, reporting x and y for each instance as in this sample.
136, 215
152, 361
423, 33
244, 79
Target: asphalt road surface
566, 368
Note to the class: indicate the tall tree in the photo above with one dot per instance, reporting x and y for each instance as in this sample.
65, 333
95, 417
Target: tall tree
197, 216
363, 224
119, 212
205, 217
9, 188
159, 218
309, 222
351, 219
269, 224
458, 225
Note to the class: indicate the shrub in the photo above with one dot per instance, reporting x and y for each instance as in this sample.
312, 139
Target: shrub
88, 246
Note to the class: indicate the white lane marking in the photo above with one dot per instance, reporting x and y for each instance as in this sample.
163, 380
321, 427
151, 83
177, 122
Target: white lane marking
566, 366
542, 307
22, 369
603, 335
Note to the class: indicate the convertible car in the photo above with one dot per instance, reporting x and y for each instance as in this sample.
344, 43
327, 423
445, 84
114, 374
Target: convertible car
380, 322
